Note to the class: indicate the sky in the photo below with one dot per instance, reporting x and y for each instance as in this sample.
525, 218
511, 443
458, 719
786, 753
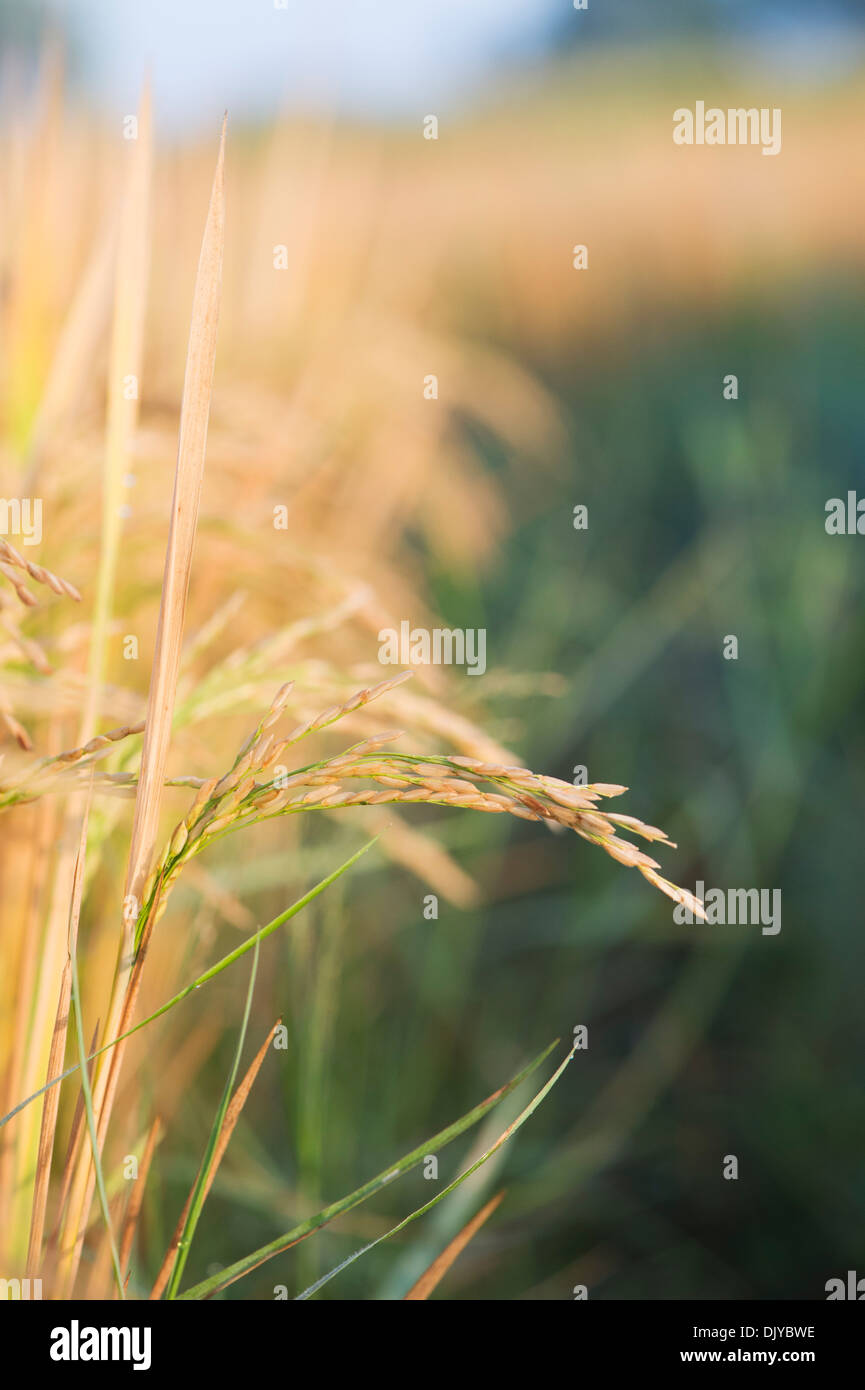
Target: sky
388, 58
366, 57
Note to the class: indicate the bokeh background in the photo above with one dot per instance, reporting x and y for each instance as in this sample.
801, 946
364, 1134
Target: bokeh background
557, 388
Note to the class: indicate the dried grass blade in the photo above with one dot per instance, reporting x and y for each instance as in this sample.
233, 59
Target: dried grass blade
215, 1144
52, 1103
442, 1263
75, 1130
130, 1221
194, 416
232, 1115
74, 913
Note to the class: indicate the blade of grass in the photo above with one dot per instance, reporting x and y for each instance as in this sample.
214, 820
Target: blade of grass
209, 1163
17, 1081
49, 1111
209, 974
130, 1221
232, 1115
79, 1032
442, 1263
189, 476
227, 1276
421, 1211
72, 1143
317, 972
98, 1275
53, 950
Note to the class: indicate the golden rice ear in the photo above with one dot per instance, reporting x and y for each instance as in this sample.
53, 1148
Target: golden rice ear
11, 560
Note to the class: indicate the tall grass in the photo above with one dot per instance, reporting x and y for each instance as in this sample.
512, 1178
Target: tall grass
242, 610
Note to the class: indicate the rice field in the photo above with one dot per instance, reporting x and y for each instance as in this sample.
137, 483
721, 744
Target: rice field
213, 399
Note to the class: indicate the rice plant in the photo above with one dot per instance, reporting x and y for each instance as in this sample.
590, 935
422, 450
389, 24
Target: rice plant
90, 915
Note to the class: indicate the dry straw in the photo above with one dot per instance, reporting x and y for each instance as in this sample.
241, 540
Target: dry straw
189, 474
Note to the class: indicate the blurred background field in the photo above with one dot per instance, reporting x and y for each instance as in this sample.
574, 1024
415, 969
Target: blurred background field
604, 647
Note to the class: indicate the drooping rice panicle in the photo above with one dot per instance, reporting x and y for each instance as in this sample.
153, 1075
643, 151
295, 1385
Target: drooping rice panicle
250, 793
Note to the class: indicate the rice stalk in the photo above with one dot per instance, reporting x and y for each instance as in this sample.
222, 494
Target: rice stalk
195, 410
52, 1097
249, 944
75, 910
299, 598
136, 1198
